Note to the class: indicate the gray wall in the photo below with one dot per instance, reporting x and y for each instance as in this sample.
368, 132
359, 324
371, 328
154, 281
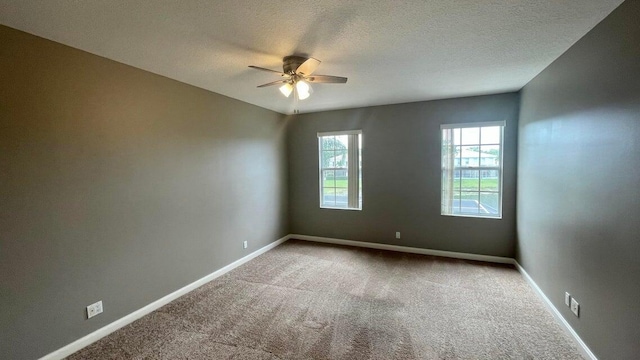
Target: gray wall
578, 183
401, 176
120, 185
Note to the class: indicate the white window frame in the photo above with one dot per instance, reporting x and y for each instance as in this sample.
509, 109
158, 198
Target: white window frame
479, 168
354, 201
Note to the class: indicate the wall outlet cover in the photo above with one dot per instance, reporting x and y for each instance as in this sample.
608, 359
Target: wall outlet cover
397, 234
245, 244
575, 307
567, 299
94, 309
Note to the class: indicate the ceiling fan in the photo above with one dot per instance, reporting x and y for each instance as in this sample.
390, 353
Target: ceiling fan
297, 74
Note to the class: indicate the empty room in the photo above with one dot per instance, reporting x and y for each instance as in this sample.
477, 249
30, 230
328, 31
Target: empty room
319, 179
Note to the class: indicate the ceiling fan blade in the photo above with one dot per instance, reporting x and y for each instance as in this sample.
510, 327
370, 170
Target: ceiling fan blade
274, 83
269, 70
308, 67
326, 79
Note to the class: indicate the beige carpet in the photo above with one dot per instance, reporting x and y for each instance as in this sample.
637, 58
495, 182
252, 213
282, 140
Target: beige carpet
313, 301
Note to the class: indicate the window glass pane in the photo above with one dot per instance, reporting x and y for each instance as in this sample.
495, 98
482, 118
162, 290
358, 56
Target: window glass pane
328, 179
470, 136
328, 142
490, 134
446, 137
490, 203
470, 156
329, 191
451, 181
469, 203
490, 155
341, 197
451, 158
454, 182
341, 178
342, 182
340, 158
328, 197
470, 180
327, 159
446, 200
448, 155
451, 202
450, 137
489, 180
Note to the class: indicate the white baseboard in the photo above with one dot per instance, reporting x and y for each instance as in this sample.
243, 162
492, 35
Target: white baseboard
108, 329
449, 254
128, 319
584, 349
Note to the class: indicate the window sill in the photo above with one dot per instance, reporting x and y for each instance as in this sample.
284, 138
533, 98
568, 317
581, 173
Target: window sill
340, 208
474, 216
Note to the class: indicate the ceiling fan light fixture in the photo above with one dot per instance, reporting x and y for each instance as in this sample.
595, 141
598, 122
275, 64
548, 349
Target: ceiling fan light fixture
303, 90
297, 74
286, 89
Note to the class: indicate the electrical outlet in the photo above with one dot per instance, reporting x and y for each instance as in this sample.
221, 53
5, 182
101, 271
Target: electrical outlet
94, 309
567, 299
397, 234
575, 307
245, 244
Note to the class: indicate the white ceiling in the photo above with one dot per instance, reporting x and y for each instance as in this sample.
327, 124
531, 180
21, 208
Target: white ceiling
391, 51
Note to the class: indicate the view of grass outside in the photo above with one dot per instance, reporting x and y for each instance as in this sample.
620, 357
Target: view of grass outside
332, 186
475, 184
467, 185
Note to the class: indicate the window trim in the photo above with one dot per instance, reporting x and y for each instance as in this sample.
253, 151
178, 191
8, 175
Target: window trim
472, 125
503, 125
356, 171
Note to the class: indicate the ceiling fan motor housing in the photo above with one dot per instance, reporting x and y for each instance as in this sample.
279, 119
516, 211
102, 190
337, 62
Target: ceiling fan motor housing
291, 63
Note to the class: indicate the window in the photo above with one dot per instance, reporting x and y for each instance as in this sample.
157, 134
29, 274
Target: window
340, 169
472, 169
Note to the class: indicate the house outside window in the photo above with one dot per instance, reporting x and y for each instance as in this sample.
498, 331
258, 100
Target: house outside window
472, 169
340, 157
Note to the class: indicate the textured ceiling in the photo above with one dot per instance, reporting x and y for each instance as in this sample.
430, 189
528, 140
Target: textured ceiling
391, 51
